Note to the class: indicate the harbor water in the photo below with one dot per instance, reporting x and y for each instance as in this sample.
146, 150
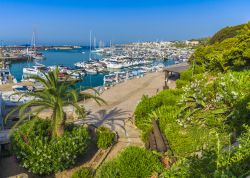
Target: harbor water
66, 58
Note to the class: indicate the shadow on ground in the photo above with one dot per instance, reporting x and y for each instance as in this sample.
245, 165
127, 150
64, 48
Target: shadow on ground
114, 119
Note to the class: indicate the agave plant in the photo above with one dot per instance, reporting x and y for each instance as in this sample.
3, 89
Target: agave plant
54, 96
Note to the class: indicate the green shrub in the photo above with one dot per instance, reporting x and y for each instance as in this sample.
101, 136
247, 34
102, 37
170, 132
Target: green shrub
181, 83
84, 172
138, 162
105, 137
108, 169
182, 140
239, 157
147, 105
227, 32
43, 154
219, 161
186, 75
132, 162
226, 54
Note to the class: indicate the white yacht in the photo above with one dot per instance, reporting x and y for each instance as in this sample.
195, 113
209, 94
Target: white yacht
114, 65
36, 55
75, 74
37, 70
80, 64
91, 71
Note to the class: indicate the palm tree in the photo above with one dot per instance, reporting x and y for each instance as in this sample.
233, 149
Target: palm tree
55, 96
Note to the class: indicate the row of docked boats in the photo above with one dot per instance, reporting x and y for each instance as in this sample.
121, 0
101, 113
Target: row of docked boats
115, 62
119, 62
92, 66
33, 54
114, 78
40, 69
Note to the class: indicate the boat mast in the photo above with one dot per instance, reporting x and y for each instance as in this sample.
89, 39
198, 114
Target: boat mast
111, 48
33, 40
94, 42
90, 33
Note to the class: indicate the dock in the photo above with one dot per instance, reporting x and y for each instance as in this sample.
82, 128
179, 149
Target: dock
14, 58
8, 87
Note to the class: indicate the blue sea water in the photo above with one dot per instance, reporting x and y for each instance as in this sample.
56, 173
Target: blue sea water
61, 57
66, 58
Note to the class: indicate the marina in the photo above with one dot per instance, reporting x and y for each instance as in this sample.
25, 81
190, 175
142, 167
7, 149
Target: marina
140, 89
101, 68
93, 66
94, 70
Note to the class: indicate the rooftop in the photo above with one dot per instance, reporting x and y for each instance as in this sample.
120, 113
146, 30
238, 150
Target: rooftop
177, 68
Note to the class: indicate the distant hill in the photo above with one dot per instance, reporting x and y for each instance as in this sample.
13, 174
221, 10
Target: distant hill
227, 32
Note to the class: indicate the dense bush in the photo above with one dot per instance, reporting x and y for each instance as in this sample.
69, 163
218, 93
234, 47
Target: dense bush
229, 54
84, 172
227, 32
187, 76
208, 103
132, 162
217, 102
211, 103
147, 105
181, 83
41, 153
216, 162
105, 137
239, 157
183, 140
208, 116
109, 169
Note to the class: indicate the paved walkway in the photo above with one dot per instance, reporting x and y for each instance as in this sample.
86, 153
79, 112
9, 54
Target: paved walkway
122, 100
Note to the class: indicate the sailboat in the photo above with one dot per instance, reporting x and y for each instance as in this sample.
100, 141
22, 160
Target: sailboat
33, 53
96, 50
38, 69
89, 69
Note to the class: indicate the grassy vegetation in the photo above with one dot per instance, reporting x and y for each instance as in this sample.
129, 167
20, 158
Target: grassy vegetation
84, 172
105, 137
132, 162
227, 32
226, 55
209, 111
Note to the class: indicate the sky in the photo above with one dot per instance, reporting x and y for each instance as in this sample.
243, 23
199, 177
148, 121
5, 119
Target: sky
121, 21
